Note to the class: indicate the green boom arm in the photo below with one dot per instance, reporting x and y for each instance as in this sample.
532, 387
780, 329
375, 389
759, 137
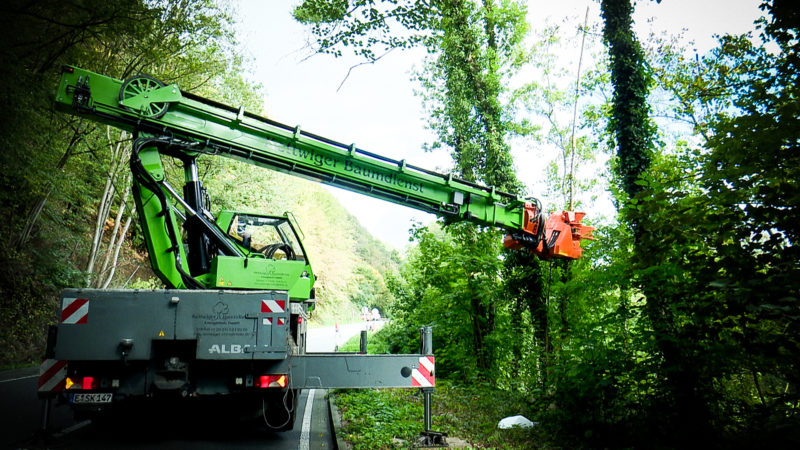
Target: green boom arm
201, 126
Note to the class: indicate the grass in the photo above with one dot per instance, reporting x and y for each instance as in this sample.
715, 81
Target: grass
393, 418
374, 418
15, 366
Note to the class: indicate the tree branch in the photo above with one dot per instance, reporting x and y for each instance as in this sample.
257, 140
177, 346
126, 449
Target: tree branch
349, 71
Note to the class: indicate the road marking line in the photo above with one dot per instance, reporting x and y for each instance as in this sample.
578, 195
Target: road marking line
17, 379
305, 434
72, 429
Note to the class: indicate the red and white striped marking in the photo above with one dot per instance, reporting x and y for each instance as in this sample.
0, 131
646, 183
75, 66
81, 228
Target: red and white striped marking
423, 376
75, 310
273, 306
52, 375
268, 321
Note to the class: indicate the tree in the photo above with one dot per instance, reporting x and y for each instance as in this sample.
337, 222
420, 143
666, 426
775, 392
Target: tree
738, 248
439, 286
634, 138
711, 228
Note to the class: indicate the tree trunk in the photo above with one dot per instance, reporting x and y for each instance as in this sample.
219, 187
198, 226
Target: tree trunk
114, 233
480, 331
102, 214
117, 161
516, 344
116, 252
563, 304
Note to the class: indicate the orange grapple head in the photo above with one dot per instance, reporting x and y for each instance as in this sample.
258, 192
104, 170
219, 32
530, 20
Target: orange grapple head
562, 236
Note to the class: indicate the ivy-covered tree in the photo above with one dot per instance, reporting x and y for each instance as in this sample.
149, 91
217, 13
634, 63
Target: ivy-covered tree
634, 140
712, 230
472, 46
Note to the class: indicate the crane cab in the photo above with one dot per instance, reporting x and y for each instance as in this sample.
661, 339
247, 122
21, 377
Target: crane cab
274, 257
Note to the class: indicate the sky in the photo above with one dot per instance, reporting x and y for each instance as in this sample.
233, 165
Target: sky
376, 107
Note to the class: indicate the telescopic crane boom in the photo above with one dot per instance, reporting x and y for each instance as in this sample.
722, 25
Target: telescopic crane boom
170, 122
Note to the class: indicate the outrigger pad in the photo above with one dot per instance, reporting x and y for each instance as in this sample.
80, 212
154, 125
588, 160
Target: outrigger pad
432, 439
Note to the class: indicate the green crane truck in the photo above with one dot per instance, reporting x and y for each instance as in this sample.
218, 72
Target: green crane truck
240, 286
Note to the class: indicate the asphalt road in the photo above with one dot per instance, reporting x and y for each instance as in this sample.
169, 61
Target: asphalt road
186, 429
325, 339
20, 419
20, 414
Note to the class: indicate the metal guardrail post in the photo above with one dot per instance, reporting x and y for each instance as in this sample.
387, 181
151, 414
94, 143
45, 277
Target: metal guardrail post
363, 342
426, 338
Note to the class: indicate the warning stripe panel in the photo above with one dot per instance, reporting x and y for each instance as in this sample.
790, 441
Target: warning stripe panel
52, 374
75, 310
423, 376
273, 306
426, 363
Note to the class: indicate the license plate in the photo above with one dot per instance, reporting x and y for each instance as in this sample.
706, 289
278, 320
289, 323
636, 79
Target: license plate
91, 398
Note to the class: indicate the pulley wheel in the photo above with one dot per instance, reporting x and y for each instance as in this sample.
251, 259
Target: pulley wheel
142, 84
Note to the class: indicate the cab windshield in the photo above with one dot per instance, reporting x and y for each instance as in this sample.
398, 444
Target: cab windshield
272, 237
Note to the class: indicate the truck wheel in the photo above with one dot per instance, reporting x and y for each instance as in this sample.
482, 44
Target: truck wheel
280, 410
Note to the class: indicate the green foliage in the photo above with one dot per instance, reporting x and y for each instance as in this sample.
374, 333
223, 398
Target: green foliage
370, 290
320, 11
560, 110
734, 250
450, 282
146, 284
679, 325
710, 268
368, 28
475, 47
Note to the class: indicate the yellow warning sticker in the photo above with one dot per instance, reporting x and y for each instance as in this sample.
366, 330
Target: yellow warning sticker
161, 333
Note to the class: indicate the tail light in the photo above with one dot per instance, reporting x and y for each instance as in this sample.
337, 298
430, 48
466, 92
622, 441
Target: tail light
85, 383
269, 381
88, 383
